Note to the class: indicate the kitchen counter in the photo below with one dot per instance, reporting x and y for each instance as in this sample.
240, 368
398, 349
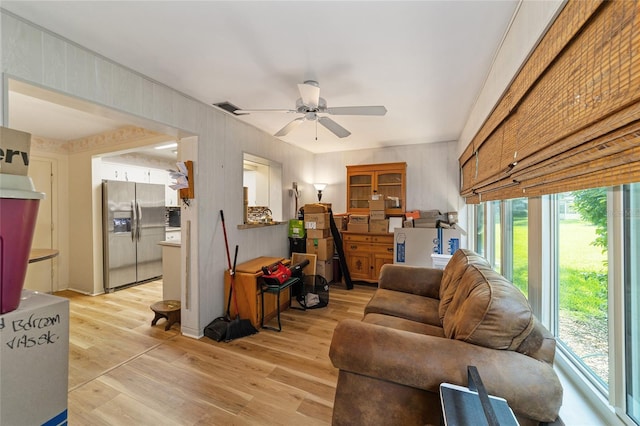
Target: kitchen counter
171, 267
172, 233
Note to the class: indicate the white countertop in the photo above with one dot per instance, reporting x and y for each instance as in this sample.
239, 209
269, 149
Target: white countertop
172, 243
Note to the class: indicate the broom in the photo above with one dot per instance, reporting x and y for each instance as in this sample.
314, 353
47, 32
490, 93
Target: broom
238, 327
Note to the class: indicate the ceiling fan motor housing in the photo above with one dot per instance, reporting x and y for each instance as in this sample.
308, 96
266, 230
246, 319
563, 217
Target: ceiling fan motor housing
303, 109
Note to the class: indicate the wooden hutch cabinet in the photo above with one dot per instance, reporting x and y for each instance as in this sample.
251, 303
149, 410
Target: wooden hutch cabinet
387, 180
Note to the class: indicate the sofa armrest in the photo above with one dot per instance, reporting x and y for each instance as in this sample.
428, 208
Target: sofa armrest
531, 387
411, 279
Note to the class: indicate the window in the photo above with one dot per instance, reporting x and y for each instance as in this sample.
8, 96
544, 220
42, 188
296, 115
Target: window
516, 243
493, 237
262, 179
479, 219
582, 280
632, 299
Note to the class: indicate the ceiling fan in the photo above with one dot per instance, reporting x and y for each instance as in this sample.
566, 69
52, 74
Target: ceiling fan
314, 108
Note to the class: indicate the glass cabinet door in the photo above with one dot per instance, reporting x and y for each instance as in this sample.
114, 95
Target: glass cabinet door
390, 188
360, 190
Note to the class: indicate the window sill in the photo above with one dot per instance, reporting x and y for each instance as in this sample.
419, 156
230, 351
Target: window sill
258, 225
582, 403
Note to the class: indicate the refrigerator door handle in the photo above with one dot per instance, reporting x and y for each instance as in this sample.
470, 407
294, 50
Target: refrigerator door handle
134, 221
139, 224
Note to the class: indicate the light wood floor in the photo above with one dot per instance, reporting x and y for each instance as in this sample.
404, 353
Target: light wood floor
123, 371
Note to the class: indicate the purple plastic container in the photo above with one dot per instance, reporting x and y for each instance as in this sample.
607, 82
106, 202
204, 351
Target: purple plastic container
18, 213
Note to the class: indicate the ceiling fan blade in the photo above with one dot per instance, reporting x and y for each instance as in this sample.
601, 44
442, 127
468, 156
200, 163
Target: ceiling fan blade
250, 111
289, 127
310, 93
358, 110
334, 127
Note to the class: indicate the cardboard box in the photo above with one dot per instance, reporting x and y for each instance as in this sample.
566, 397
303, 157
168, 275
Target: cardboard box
296, 228
379, 226
358, 227
341, 221
316, 221
324, 268
377, 215
317, 208
376, 204
34, 361
14, 151
318, 233
359, 218
414, 246
322, 247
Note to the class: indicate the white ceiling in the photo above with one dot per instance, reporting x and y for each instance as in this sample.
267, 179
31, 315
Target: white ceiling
425, 61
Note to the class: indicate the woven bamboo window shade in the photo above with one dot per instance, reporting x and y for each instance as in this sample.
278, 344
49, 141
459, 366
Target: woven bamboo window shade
571, 118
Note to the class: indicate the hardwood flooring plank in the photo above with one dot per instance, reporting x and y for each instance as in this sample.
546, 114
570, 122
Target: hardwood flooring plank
124, 410
307, 384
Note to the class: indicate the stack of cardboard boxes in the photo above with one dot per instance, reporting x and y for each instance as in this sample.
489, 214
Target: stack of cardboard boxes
378, 222
319, 239
375, 222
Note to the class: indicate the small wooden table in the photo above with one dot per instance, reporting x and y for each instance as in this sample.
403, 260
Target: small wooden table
168, 309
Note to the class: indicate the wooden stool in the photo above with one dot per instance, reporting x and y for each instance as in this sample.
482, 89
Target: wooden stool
168, 309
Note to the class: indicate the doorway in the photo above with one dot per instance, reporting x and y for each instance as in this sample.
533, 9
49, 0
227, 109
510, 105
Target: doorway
60, 126
41, 276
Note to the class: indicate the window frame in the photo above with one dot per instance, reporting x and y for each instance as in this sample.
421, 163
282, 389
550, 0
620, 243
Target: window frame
580, 391
273, 185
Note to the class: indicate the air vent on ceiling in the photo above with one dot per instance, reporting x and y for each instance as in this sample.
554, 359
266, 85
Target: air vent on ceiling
227, 106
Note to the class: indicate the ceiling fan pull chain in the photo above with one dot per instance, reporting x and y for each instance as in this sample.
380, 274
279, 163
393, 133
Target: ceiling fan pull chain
316, 129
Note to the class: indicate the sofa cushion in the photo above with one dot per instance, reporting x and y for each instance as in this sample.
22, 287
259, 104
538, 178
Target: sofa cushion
488, 310
453, 272
404, 324
539, 344
404, 305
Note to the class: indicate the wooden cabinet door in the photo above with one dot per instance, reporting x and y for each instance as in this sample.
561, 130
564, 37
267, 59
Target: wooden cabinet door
359, 190
358, 257
390, 186
379, 261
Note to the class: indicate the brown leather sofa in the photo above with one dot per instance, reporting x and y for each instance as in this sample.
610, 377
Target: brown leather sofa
424, 327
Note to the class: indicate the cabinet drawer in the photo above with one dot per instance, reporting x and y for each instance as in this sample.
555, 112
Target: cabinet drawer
358, 237
357, 247
382, 239
381, 249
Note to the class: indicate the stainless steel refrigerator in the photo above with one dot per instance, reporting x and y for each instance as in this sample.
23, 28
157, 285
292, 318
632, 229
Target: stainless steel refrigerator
133, 216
